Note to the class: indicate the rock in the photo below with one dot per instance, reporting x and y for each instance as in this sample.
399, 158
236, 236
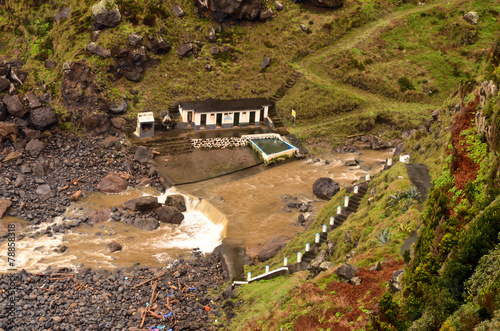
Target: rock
146, 203
327, 265
98, 123
435, 114
8, 131
278, 6
34, 147
120, 109
119, 123
328, 3
265, 62
15, 106
162, 46
304, 28
471, 17
322, 257
185, 50
4, 84
135, 40
178, 11
176, 200
62, 14
112, 183
33, 100
350, 163
43, 189
19, 181
325, 188
346, 271
114, 246
43, 118
167, 214
395, 282
57, 319
240, 10
18, 75
212, 37
39, 170
356, 281
98, 50
4, 205
105, 14
265, 14
376, 267
272, 247
148, 224
46, 98
13, 156
98, 216
134, 75
143, 155
214, 50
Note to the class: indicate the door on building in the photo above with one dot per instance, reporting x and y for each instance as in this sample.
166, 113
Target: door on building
236, 121
252, 118
203, 122
262, 115
219, 120
190, 116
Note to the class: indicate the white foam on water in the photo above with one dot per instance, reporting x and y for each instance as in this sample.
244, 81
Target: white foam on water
196, 230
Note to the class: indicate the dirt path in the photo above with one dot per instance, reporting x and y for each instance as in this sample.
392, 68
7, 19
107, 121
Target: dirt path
419, 176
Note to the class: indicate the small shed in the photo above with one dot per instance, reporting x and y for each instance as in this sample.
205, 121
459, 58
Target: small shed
145, 125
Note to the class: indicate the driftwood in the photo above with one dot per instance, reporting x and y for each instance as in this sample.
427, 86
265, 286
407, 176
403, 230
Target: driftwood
144, 282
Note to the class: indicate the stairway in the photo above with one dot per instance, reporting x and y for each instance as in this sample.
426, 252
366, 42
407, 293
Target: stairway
169, 145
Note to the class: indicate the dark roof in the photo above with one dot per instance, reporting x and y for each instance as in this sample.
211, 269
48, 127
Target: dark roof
211, 105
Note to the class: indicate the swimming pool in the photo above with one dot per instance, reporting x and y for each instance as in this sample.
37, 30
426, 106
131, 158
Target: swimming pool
273, 149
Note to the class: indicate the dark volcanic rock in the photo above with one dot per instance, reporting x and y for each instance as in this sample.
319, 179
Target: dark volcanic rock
15, 106
62, 14
135, 40
146, 203
114, 246
185, 50
8, 131
243, 9
272, 247
265, 62
178, 11
98, 123
148, 224
105, 17
328, 3
43, 118
112, 183
120, 109
176, 200
266, 14
4, 83
4, 205
143, 155
98, 50
346, 271
33, 100
34, 147
167, 214
325, 188
98, 216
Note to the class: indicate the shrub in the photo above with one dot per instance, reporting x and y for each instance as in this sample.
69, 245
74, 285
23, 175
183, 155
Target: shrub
405, 84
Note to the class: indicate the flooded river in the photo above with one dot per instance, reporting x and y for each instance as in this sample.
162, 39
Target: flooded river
244, 207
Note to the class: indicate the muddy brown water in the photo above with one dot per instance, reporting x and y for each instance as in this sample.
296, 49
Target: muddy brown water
243, 207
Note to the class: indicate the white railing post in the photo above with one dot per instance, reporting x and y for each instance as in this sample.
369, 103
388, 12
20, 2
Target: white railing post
324, 228
317, 238
346, 201
307, 247
267, 268
339, 210
299, 257
285, 262
332, 220
389, 162
356, 189
249, 276
367, 177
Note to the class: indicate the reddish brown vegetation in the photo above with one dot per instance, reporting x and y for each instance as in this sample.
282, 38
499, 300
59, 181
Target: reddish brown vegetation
347, 301
463, 167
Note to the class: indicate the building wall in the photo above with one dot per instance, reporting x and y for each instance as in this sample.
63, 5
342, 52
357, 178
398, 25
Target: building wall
227, 118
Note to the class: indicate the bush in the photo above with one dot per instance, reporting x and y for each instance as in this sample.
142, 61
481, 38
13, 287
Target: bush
405, 84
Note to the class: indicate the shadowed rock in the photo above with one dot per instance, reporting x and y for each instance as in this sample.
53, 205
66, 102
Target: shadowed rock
8, 131
105, 14
167, 214
146, 203
43, 118
148, 224
178, 11
98, 123
325, 188
4, 205
98, 50
15, 106
346, 271
114, 247
34, 147
328, 3
33, 100
120, 109
178, 201
98, 216
4, 83
185, 50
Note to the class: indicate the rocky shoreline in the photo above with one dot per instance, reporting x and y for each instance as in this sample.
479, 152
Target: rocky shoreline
184, 295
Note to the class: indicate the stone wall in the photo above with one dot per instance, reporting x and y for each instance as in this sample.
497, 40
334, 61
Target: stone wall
230, 141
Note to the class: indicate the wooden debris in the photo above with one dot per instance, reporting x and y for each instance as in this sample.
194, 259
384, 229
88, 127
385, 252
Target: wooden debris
144, 282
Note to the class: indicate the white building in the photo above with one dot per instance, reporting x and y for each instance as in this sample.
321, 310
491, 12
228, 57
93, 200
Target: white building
225, 114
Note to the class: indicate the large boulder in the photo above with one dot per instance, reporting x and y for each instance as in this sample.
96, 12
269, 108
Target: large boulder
114, 247
98, 123
8, 131
346, 271
237, 9
176, 200
15, 106
4, 83
105, 14
472, 17
143, 155
167, 214
325, 188
146, 203
112, 183
395, 282
43, 118
148, 224
4, 205
272, 247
